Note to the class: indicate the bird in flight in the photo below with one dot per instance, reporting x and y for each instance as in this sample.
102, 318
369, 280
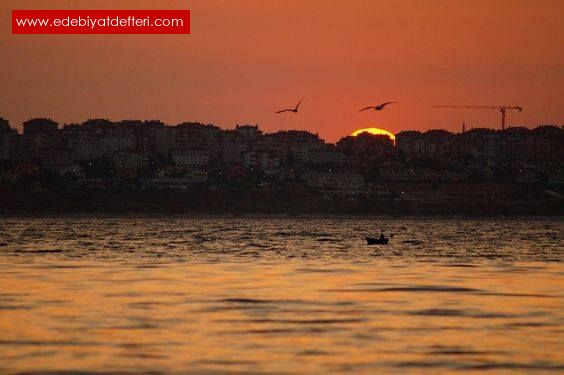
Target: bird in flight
378, 107
295, 109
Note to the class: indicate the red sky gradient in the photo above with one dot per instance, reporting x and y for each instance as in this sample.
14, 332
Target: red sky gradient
246, 59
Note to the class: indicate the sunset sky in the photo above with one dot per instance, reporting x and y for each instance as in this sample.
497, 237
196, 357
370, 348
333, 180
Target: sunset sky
246, 59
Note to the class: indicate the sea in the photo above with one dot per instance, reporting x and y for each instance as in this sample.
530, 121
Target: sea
281, 295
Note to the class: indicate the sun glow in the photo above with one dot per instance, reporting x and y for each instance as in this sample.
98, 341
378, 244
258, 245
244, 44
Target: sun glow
375, 131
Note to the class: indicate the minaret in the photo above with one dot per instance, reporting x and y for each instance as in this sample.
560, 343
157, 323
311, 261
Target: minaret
463, 127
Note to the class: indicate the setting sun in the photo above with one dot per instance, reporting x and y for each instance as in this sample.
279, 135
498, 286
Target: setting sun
375, 131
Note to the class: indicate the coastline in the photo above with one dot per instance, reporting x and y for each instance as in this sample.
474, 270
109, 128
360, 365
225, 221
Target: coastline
253, 203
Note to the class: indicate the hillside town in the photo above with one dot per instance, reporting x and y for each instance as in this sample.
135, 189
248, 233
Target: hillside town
152, 156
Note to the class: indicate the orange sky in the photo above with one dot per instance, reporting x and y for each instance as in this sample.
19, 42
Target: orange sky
246, 59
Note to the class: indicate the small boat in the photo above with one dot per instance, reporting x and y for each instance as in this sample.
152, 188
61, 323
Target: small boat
376, 241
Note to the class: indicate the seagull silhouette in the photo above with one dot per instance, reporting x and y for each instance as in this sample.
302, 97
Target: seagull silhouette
295, 109
378, 107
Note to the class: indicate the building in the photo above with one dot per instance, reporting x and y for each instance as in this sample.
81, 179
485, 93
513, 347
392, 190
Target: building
366, 147
39, 134
335, 181
193, 135
327, 155
56, 157
191, 158
9, 141
127, 164
546, 145
264, 161
40, 126
248, 132
432, 143
480, 143
295, 144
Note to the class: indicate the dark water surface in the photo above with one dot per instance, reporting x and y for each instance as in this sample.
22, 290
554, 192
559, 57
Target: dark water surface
282, 295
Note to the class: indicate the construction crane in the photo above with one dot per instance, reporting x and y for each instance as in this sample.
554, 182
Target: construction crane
501, 108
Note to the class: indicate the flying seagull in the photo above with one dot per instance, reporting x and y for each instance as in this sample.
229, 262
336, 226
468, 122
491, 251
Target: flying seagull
295, 109
378, 107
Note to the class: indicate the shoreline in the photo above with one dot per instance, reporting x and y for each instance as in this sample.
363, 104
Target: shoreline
281, 216
257, 204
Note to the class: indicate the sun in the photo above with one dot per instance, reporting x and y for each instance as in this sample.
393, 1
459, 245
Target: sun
375, 131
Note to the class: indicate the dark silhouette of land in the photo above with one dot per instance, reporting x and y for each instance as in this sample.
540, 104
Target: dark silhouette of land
148, 166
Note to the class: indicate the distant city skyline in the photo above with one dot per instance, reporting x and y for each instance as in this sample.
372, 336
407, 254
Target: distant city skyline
150, 155
464, 126
244, 60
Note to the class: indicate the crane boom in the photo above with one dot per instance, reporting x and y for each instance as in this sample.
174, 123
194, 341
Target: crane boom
501, 108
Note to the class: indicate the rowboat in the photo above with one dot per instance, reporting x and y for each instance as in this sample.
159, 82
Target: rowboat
377, 241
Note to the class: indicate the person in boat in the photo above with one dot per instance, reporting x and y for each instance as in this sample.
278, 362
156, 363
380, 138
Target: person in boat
382, 237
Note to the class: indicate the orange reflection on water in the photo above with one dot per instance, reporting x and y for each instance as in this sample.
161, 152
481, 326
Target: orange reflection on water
291, 316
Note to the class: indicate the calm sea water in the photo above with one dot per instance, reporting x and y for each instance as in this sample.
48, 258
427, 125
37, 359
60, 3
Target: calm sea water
291, 295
